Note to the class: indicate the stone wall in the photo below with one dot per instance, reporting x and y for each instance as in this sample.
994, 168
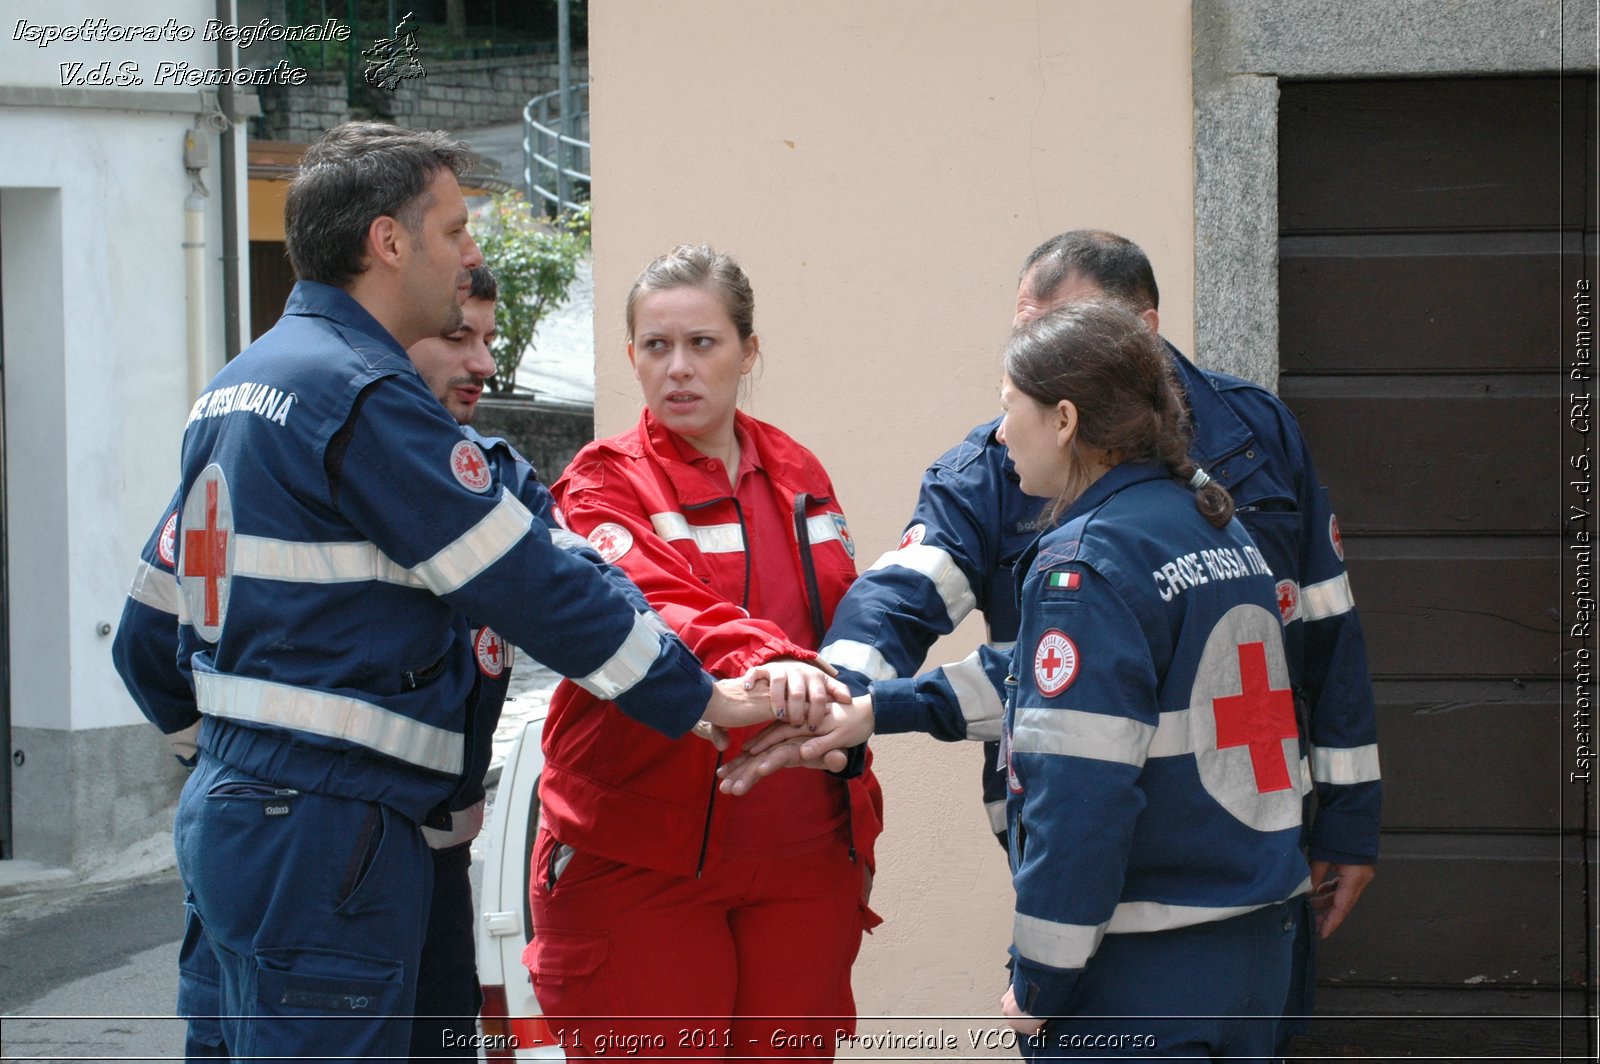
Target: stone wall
548, 435
463, 94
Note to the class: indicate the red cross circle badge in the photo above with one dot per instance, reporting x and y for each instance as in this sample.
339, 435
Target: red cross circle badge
611, 541
205, 552
469, 466
167, 545
1288, 600
1055, 663
1242, 721
494, 653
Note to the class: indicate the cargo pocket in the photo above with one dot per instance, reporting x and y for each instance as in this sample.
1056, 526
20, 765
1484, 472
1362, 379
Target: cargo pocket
292, 981
566, 969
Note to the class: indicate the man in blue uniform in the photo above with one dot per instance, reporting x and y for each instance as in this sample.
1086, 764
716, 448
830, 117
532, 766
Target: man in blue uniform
333, 530
972, 522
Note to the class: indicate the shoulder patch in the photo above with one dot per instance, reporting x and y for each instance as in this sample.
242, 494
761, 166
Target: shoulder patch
493, 653
913, 536
1063, 579
1055, 663
560, 516
844, 533
470, 467
167, 545
1334, 537
611, 541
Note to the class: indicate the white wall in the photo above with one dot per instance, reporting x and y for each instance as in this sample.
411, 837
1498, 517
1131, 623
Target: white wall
94, 317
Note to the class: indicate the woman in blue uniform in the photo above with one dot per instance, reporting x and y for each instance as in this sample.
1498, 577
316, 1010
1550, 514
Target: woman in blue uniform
1149, 738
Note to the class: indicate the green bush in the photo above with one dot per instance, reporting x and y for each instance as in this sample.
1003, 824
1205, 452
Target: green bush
535, 263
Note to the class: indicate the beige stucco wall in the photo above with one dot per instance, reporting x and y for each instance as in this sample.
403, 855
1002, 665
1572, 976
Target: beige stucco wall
881, 169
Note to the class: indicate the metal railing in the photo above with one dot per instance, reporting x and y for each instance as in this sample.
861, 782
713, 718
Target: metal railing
555, 150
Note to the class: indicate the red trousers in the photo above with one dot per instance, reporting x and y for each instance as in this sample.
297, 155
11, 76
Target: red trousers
751, 960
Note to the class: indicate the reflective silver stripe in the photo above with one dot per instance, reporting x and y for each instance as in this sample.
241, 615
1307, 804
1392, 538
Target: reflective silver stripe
939, 567
568, 540
858, 657
1076, 733
465, 824
1327, 599
479, 547
711, 539
1136, 916
997, 816
1058, 945
316, 563
1354, 764
1172, 737
154, 587
631, 661
979, 701
823, 528
336, 716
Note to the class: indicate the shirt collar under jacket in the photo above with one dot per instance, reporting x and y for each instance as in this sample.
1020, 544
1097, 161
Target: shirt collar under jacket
693, 482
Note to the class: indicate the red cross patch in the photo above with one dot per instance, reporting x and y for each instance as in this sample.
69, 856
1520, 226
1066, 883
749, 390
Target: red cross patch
1241, 721
1288, 600
206, 553
1055, 663
1334, 537
913, 536
469, 466
494, 653
611, 541
844, 534
167, 545
561, 518
1259, 717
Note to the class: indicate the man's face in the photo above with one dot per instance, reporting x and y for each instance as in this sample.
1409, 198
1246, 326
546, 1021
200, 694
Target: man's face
1074, 288
456, 365
441, 257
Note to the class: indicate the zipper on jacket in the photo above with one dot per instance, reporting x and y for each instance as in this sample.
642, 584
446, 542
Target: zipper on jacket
705, 834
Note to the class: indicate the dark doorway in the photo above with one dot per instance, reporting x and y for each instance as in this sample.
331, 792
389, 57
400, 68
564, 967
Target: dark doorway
1431, 234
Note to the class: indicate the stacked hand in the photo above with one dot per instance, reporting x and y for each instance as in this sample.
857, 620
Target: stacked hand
741, 702
817, 722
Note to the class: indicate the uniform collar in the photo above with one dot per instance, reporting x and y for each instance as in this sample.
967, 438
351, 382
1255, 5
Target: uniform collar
1115, 479
694, 481
1218, 431
314, 299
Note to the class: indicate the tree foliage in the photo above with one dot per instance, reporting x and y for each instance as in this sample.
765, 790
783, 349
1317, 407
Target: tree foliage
535, 263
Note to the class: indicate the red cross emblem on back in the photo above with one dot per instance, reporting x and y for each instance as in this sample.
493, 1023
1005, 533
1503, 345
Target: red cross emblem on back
1260, 718
203, 562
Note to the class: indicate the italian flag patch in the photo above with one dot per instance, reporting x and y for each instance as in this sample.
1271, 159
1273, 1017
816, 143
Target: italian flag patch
1066, 580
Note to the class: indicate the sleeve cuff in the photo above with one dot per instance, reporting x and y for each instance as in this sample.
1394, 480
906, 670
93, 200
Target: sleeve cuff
894, 706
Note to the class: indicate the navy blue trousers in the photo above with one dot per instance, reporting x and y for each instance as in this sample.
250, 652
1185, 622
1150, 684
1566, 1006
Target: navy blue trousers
1209, 990
315, 908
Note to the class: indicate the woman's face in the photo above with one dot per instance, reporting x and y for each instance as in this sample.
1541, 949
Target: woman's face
688, 357
1036, 437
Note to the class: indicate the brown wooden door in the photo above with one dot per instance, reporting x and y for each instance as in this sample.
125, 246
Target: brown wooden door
1432, 234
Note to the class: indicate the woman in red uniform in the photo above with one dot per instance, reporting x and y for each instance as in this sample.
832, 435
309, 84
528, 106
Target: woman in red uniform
669, 922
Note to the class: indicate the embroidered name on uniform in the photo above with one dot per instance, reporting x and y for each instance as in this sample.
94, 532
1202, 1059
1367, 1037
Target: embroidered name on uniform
1202, 567
248, 397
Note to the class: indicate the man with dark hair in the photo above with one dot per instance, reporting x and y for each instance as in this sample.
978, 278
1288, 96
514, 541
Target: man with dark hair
972, 521
332, 531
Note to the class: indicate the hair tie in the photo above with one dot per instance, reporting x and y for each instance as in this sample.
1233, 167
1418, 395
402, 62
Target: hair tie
1200, 479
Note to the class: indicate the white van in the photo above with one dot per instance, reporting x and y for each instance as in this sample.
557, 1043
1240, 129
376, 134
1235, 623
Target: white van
512, 1025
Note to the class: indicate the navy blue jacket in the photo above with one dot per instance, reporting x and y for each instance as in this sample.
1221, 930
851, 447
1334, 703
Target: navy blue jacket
972, 522
334, 531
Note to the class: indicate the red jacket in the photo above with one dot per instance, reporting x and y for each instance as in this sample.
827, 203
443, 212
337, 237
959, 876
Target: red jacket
612, 787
